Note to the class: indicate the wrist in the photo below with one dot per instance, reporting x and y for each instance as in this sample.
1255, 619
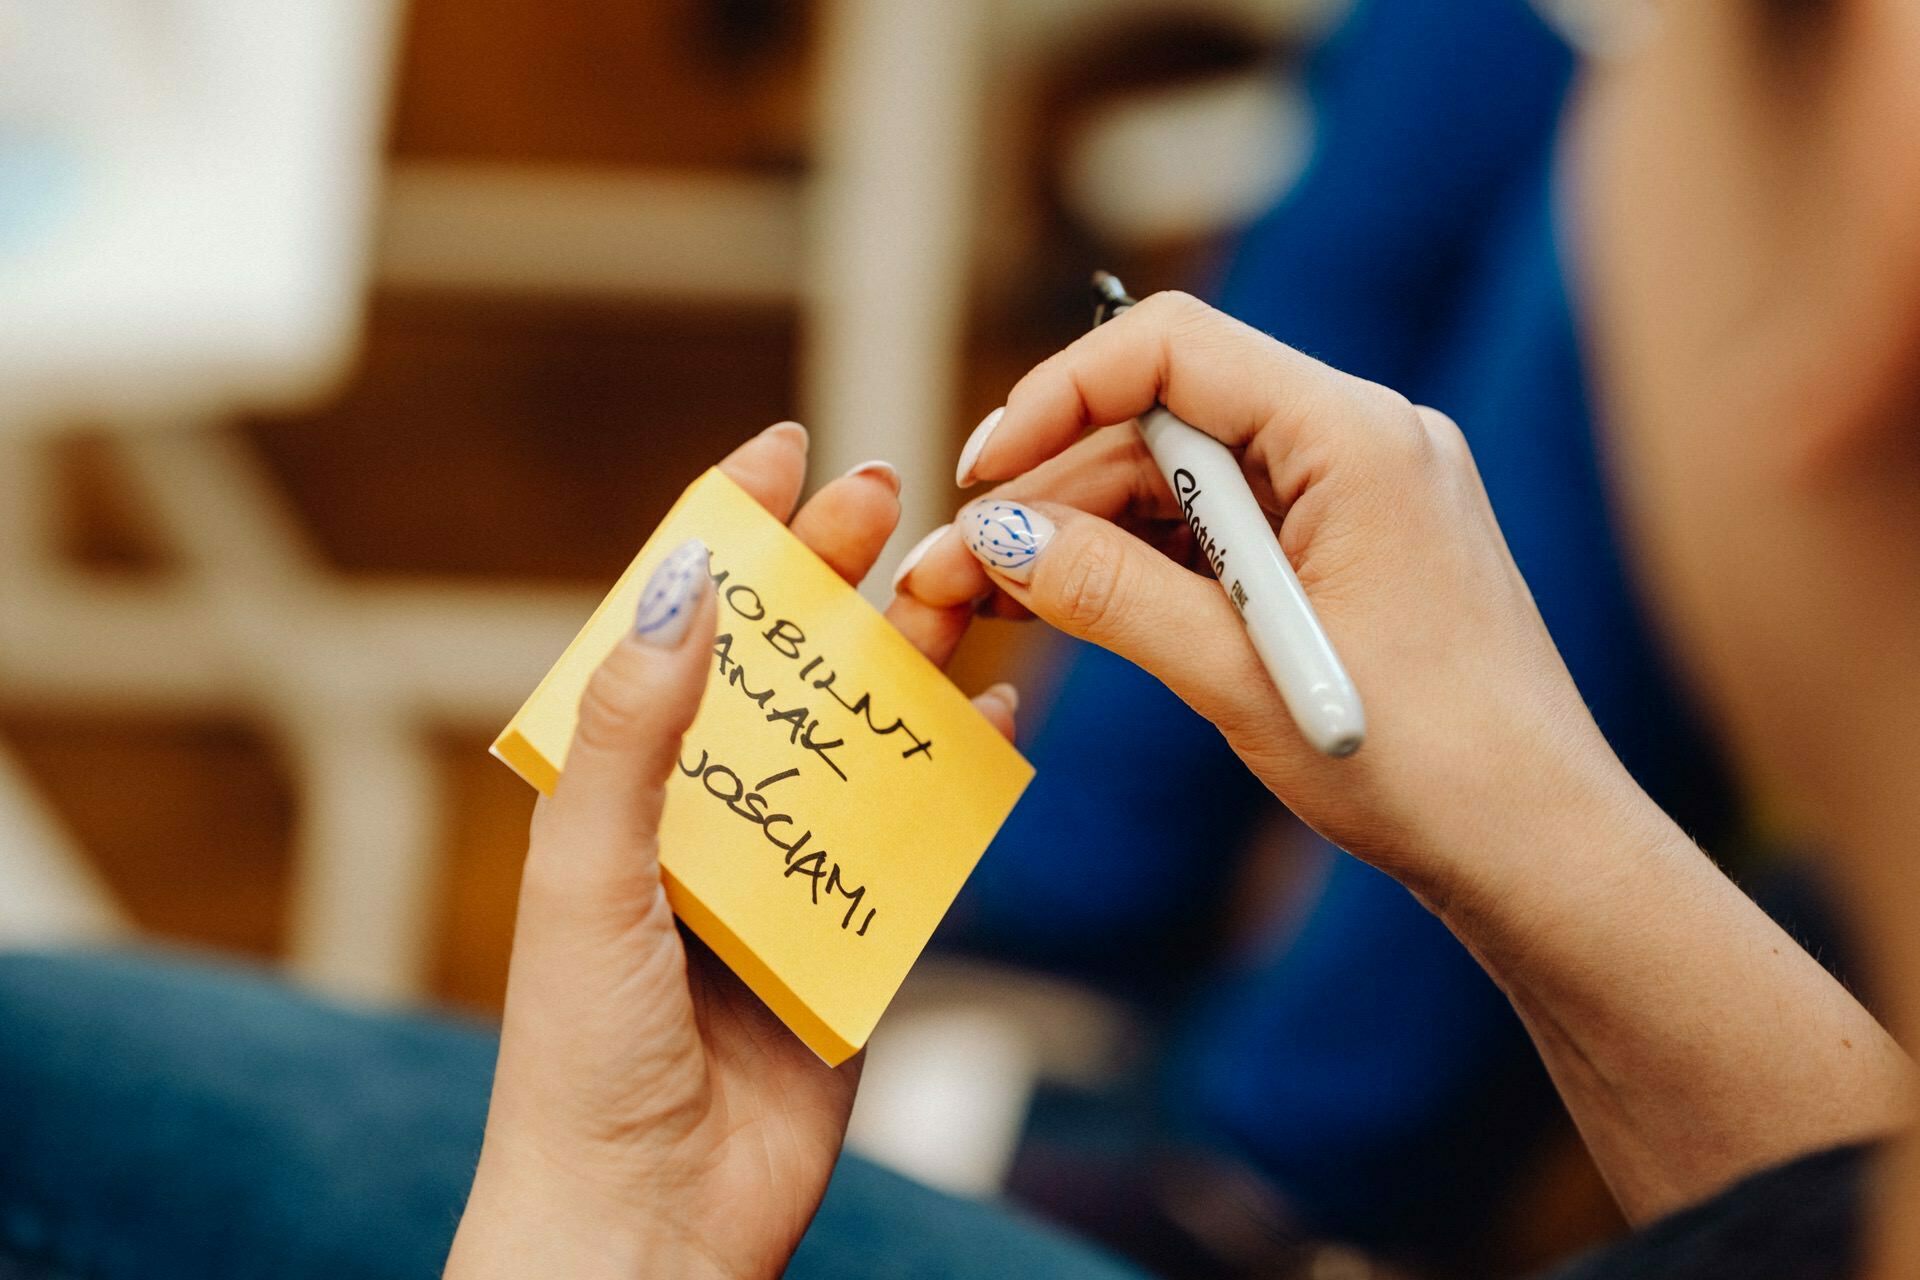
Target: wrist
1565, 840
523, 1221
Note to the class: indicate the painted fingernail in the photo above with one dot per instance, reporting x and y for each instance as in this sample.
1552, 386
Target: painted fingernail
790, 429
913, 557
671, 596
1007, 537
970, 454
1005, 692
886, 471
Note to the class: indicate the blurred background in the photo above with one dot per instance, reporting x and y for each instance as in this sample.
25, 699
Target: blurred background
349, 348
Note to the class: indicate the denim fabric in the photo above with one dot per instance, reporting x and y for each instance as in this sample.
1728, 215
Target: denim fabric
167, 1119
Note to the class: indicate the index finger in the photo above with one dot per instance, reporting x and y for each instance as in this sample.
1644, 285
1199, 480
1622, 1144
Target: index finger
1226, 378
771, 467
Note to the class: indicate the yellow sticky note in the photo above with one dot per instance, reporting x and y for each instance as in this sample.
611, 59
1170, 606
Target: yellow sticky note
834, 791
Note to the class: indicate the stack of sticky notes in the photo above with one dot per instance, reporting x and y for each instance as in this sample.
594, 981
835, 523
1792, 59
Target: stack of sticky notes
834, 791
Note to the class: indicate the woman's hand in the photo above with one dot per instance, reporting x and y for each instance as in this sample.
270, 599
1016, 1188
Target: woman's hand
649, 1115
1657, 993
1472, 716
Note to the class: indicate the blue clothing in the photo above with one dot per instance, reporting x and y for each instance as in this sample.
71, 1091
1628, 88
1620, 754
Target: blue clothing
1352, 1056
167, 1120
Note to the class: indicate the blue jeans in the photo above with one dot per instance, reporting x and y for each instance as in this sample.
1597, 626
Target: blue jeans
165, 1119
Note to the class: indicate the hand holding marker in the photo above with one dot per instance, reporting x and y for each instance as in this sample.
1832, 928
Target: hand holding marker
1237, 539
1234, 534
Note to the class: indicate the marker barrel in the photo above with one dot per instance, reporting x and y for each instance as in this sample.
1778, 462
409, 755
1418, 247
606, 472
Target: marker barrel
1236, 538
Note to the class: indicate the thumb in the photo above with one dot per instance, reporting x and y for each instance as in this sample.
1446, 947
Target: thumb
1093, 580
606, 806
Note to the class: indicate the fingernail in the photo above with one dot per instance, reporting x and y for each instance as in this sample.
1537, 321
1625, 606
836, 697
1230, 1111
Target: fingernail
970, 454
886, 471
791, 429
669, 600
913, 557
1007, 537
1005, 692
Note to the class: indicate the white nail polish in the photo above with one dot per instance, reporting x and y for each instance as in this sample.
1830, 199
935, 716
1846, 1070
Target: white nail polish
793, 429
1007, 537
970, 453
671, 596
1005, 692
879, 467
914, 556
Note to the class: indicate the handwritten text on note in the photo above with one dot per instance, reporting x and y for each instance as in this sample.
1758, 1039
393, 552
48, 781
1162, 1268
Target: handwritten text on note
834, 791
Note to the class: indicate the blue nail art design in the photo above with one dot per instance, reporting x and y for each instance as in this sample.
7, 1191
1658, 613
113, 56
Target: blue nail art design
666, 603
1003, 535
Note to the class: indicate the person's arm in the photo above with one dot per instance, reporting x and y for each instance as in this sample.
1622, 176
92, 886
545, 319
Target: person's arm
1691, 1039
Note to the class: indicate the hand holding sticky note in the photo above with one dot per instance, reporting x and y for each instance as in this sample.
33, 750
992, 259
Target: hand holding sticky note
834, 791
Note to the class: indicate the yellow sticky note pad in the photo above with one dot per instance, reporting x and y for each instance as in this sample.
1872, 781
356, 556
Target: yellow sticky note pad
834, 791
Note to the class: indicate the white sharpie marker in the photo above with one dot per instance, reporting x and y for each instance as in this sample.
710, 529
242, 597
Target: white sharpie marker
1234, 535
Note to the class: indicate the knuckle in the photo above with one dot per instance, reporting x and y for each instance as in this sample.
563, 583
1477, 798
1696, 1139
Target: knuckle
1178, 301
617, 703
1092, 589
1400, 427
1174, 308
1444, 434
1033, 382
1389, 406
548, 878
1438, 424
